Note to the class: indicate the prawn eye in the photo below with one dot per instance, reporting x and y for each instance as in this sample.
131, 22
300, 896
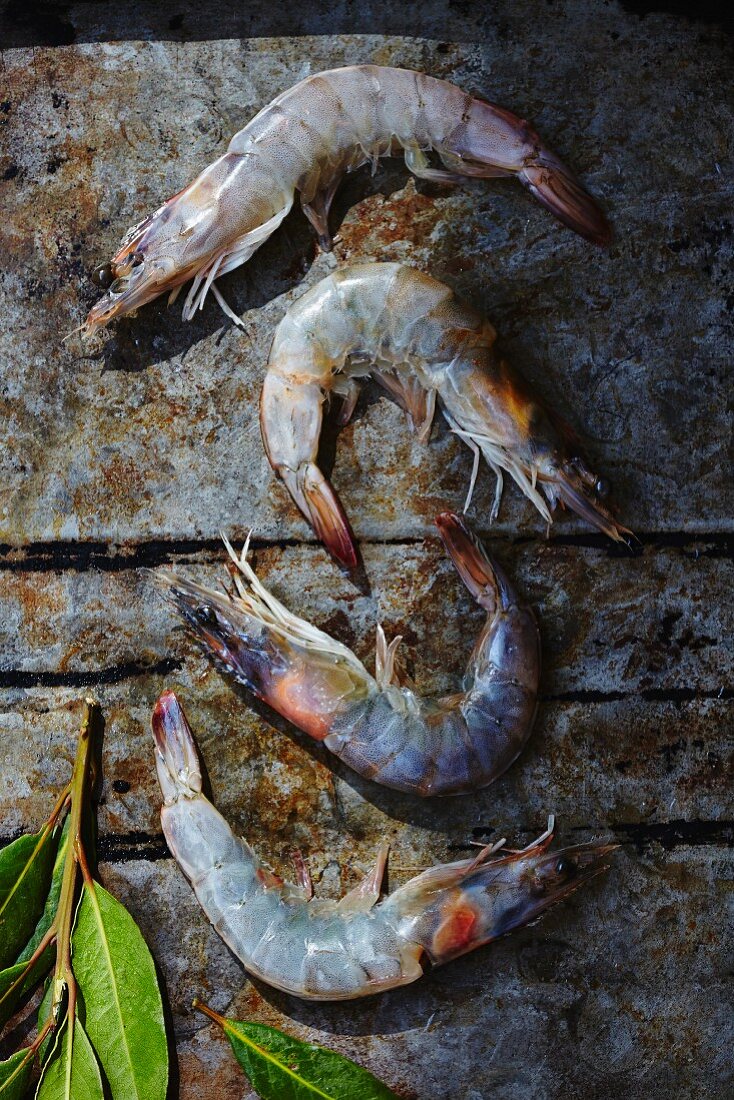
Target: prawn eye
135, 259
602, 487
565, 868
207, 616
103, 277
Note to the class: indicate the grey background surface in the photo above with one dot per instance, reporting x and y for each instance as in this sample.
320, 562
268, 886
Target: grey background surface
134, 452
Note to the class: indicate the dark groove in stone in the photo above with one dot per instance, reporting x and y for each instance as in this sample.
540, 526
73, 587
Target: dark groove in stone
42, 557
14, 678
668, 834
649, 695
78, 557
129, 847
678, 833
137, 845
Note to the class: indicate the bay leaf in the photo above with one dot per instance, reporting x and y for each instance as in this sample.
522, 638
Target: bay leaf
25, 876
15, 1076
71, 1074
8, 978
44, 1011
52, 900
43, 964
120, 1002
283, 1068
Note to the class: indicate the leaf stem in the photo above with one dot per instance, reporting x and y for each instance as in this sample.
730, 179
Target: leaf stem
63, 977
81, 858
47, 1027
201, 1007
62, 803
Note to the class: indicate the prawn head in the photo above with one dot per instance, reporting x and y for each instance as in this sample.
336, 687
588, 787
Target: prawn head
454, 908
204, 231
570, 482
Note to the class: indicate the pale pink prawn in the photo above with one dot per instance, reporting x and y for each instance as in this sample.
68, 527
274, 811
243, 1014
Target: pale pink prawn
426, 348
304, 141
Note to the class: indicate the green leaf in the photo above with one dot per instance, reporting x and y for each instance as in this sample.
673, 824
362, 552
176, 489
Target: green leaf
7, 979
25, 876
52, 901
44, 1011
15, 1075
43, 964
122, 1006
71, 1074
283, 1068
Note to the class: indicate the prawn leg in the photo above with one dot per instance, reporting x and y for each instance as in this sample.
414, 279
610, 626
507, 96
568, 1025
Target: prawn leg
317, 212
418, 402
362, 897
303, 875
417, 162
350, 396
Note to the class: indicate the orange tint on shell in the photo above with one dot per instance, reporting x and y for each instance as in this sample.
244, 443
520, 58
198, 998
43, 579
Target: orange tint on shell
269, 880
289, 695
456, 931
520, 405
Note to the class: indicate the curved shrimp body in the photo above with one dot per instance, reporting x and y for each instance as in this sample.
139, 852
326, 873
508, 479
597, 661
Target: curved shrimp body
379, 727
327, 950
421, 343
305, 140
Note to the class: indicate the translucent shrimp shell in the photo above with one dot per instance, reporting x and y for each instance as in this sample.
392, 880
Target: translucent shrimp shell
304, 141
327, 950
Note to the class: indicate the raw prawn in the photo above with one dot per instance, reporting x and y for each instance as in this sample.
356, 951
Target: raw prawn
418, 340
304, 141
326, 950
379, 727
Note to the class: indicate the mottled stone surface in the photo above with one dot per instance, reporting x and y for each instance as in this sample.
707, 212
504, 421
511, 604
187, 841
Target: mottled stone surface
133, 453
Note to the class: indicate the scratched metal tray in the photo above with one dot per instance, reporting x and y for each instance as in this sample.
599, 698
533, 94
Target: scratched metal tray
134, 452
